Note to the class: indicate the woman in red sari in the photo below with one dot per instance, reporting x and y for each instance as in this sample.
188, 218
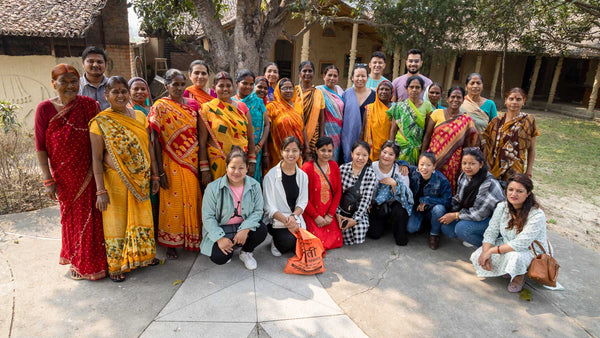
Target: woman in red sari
64, 153
324, 194
448, 132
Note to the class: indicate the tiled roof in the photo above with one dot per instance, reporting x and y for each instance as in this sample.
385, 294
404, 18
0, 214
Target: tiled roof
48, 18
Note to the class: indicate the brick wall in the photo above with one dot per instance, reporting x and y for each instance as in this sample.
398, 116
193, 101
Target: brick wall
116, 38
119, 60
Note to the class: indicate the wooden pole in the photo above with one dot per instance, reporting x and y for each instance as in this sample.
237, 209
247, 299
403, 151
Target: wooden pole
305, 51
555, 80
450, 75
594, 95
352, 53
496, 75
402, 66
536, 72
396, 68
478, 63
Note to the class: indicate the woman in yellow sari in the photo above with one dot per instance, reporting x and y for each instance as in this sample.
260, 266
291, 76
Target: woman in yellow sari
198, 74
377, 124
313, 104
227, 123
122, 163
173, 120
285, 113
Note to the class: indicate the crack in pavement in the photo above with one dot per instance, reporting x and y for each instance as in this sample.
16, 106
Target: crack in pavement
388, 264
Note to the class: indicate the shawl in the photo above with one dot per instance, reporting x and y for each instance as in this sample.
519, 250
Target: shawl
312, 102
176, 124
479, 116
334, 112
228, 124
257, 108
200, 95
286, 120
126, 141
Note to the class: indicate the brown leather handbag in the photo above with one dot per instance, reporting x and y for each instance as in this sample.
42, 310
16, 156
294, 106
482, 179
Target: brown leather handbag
543, 268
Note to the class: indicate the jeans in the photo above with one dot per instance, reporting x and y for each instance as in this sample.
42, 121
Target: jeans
469, 231
416, 219
252, 241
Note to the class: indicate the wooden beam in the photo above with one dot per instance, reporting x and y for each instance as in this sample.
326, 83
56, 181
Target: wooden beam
594, 94
353, 52
534, 77
478, 63
555, 80
496, 75
396, 67
450, 75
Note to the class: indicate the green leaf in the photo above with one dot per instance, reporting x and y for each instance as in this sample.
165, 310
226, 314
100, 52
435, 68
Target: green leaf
525, 295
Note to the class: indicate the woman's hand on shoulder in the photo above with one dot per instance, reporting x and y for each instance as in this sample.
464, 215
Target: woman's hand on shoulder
404, 170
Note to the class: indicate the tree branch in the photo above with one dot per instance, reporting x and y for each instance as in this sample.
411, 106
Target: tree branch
574, 44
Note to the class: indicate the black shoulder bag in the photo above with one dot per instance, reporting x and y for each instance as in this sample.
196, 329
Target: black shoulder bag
385, 208
351, 197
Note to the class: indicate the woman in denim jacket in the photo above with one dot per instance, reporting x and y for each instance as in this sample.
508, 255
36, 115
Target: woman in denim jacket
432, 195
232, 209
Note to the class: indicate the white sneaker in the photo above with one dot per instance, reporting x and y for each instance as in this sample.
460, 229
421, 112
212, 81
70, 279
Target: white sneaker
468, 245
274, 250
248, 259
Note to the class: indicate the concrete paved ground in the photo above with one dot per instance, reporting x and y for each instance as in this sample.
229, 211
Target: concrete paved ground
377, 289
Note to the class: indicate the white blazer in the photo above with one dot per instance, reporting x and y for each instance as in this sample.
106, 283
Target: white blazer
274, 196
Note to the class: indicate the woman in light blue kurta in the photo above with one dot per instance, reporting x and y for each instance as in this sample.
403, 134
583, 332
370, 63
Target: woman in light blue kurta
519, 221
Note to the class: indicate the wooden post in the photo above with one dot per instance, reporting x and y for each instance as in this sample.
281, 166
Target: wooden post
450, 75
594, 95
478, 63
496, 75
402, 66
536, 72
305, 51
352, 53
555, 80
396, 67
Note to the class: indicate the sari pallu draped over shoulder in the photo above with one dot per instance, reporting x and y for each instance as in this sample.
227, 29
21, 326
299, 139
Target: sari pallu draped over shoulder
286, 120
377, 124
479, 116
177, 123
447, 143
69, 151
334, 112
312, 102
229, 127
126, 141
199, 95
411, 124
257, 109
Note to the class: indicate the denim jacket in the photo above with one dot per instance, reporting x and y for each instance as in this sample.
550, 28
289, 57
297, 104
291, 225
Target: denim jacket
252, 210
436, 192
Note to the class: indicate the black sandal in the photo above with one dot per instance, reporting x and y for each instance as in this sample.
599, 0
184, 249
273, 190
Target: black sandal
154, 262
118, 278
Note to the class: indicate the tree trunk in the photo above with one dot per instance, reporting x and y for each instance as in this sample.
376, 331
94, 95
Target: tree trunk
504, 48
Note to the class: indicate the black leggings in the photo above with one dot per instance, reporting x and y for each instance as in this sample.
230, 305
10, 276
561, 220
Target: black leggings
254, 239
284, 240
398, 218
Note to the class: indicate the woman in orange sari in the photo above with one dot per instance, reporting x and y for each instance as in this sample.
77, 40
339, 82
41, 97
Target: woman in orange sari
173, 120
62, 143
122, 163
376, 124
450, 131
228, 123
199, 73
285, 114
313, 104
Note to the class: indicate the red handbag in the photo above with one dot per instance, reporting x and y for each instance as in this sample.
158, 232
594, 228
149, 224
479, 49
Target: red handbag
543, 268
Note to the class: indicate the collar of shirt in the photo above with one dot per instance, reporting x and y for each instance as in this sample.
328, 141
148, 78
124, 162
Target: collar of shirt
84, 81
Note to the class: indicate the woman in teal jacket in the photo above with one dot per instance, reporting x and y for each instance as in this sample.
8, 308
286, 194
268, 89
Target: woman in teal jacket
232, 209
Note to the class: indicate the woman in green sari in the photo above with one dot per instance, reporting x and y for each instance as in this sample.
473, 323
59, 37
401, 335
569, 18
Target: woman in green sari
409, 118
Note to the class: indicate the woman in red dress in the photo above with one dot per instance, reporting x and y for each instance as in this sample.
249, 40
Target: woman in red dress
325, 191
64, 153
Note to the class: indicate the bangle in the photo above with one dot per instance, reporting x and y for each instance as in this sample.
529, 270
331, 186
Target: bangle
499, 253
155, 177
101, 192
49, 182
204, 169
203, 162
252, 161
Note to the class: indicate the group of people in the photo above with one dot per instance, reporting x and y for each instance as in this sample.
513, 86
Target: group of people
215, 167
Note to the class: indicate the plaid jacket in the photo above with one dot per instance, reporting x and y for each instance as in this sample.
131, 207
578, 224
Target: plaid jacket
489, 194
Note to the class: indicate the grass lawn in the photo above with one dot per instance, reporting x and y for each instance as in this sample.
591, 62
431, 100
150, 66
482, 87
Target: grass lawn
568, 156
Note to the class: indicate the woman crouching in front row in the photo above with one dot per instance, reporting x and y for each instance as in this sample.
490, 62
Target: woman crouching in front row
232, 209
519, 222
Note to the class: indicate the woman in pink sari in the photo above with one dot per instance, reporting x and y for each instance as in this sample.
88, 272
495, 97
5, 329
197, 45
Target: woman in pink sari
64, 153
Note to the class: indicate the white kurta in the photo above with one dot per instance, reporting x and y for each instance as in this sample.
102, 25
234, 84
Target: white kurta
516, 262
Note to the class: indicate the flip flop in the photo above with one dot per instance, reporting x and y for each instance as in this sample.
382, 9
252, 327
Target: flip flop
172, 255
75, 275
118, 279
154, 262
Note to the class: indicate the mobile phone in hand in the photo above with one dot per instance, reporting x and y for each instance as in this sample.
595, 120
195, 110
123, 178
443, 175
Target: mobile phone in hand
344, 224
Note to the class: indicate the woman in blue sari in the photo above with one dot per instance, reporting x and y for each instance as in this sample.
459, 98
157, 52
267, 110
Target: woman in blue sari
245, 80
356, 98
334, 108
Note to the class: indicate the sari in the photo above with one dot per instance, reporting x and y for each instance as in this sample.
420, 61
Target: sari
411, 127
286, 120
67, 142
178, 224
447, 142
334, 112
377, 124
128, 224
312, 102
506, 142
199, 95
257, 109
228, 127
481, 115
353, 115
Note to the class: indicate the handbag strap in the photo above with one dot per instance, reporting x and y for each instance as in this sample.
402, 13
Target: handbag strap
535, 241
220, 209
356, 186
324, 174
